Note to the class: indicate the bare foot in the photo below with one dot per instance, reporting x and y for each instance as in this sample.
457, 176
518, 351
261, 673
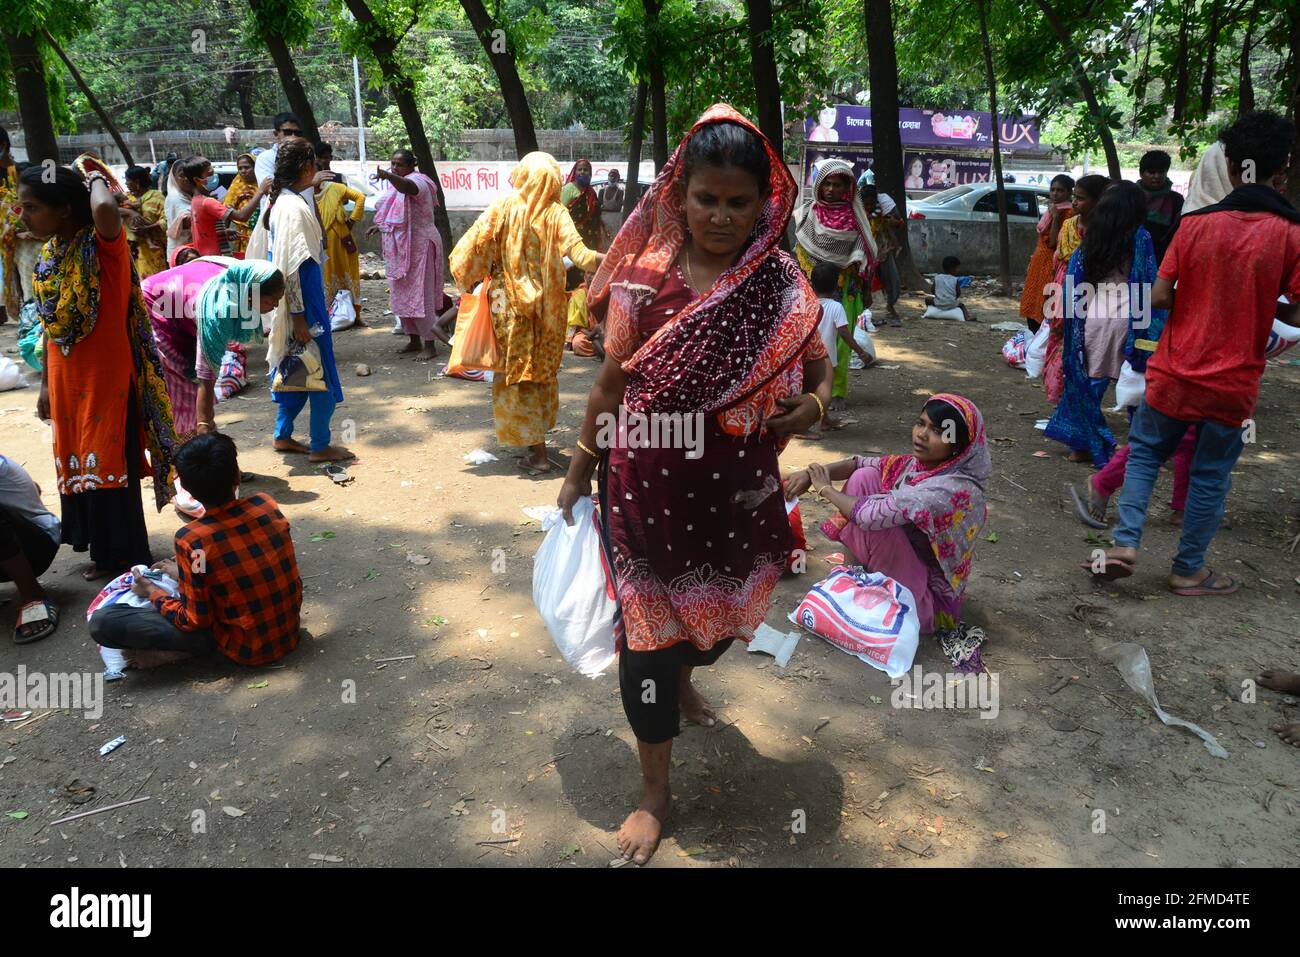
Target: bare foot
409, 347
694, 706
429, 351
93, 572
291, 445
535, 466
1287, 682
1290, 733
1078, 457
638, 838
331, 453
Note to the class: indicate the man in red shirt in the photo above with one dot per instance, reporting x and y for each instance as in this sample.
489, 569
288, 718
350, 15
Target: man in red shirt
1230, 261
240, 592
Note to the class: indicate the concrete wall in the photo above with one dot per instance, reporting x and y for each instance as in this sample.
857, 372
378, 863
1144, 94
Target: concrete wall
461, 220
974, 243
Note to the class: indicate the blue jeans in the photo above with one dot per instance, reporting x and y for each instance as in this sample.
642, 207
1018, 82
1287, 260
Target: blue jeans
289, 404
1153, 437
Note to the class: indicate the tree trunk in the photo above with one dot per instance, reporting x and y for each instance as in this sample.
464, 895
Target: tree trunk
1004, 237
1293, 108
33, 99
1140, 87
767, 86
634, 150
1211, 42
658, 103
1181, 79
299, 105
245, 94
503, 62
92, 100
1085, 85
886, 141
402, 88
1245, 83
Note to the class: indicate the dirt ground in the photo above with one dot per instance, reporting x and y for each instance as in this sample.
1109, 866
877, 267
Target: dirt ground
480, 715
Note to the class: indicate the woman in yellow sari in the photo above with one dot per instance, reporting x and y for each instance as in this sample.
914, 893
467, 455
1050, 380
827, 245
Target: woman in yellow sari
520, 241
342, 260
242, 188
146, 223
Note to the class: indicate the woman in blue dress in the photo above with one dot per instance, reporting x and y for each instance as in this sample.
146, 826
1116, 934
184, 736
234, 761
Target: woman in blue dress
291, 236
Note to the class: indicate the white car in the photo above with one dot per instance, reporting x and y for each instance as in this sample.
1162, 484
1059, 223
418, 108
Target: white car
979, 202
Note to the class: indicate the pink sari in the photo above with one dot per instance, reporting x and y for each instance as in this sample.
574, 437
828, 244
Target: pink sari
412, 255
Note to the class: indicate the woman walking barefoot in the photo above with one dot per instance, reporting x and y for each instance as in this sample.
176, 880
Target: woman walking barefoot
290, 235
520, 241
706, 320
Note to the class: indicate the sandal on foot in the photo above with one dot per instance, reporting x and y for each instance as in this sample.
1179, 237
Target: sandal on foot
40, 612
1212, 584
1084, 508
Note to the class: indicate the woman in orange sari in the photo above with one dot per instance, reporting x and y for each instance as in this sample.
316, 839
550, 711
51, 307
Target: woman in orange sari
1087, 191
711, 326
102, 383
1041, 270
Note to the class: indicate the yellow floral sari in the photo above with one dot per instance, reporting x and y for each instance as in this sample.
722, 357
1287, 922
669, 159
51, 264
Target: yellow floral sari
521, 241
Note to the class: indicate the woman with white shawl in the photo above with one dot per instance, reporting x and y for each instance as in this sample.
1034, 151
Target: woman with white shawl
291, 237
833, 227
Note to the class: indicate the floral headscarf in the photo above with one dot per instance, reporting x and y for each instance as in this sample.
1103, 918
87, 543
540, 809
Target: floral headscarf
946, 503
739, 342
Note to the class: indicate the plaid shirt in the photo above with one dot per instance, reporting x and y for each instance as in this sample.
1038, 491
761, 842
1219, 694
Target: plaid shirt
239, 578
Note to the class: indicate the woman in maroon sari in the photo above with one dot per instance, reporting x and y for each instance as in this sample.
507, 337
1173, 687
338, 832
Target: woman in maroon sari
711, 343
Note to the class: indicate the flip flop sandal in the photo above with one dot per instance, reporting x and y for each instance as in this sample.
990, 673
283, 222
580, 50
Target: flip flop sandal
1085, 513
1212, 585
338, 473
533, 470
34, 613
14, 715
1115, 569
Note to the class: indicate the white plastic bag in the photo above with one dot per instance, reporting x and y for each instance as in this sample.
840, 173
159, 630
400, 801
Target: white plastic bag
1130, 387
1036, 353
342, 314
863, 338
865, 614
934, 312
11, 375
1281, 338
573, 591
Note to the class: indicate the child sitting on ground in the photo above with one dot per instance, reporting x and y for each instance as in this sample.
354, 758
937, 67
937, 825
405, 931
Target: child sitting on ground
947, 293
580, 330
834, 326
917, 517
240, 592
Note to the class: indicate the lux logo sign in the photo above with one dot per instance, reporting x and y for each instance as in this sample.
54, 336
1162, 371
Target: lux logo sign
1018, 133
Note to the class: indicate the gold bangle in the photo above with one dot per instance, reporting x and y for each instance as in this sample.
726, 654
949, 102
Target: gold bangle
821, 409
587, 450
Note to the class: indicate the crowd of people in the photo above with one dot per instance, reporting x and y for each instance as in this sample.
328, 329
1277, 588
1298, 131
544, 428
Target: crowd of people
692, 307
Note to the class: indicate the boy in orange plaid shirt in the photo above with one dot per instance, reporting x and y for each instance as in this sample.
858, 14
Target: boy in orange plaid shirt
240, 592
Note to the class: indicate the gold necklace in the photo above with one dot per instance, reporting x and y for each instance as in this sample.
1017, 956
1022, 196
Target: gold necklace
690, 278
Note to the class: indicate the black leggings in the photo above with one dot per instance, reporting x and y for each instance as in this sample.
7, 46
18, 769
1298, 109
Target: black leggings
648, 682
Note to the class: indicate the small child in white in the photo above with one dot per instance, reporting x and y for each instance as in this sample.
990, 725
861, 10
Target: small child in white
947, 294
834, 325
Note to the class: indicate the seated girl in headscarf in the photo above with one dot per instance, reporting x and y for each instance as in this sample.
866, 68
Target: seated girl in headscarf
916, 518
